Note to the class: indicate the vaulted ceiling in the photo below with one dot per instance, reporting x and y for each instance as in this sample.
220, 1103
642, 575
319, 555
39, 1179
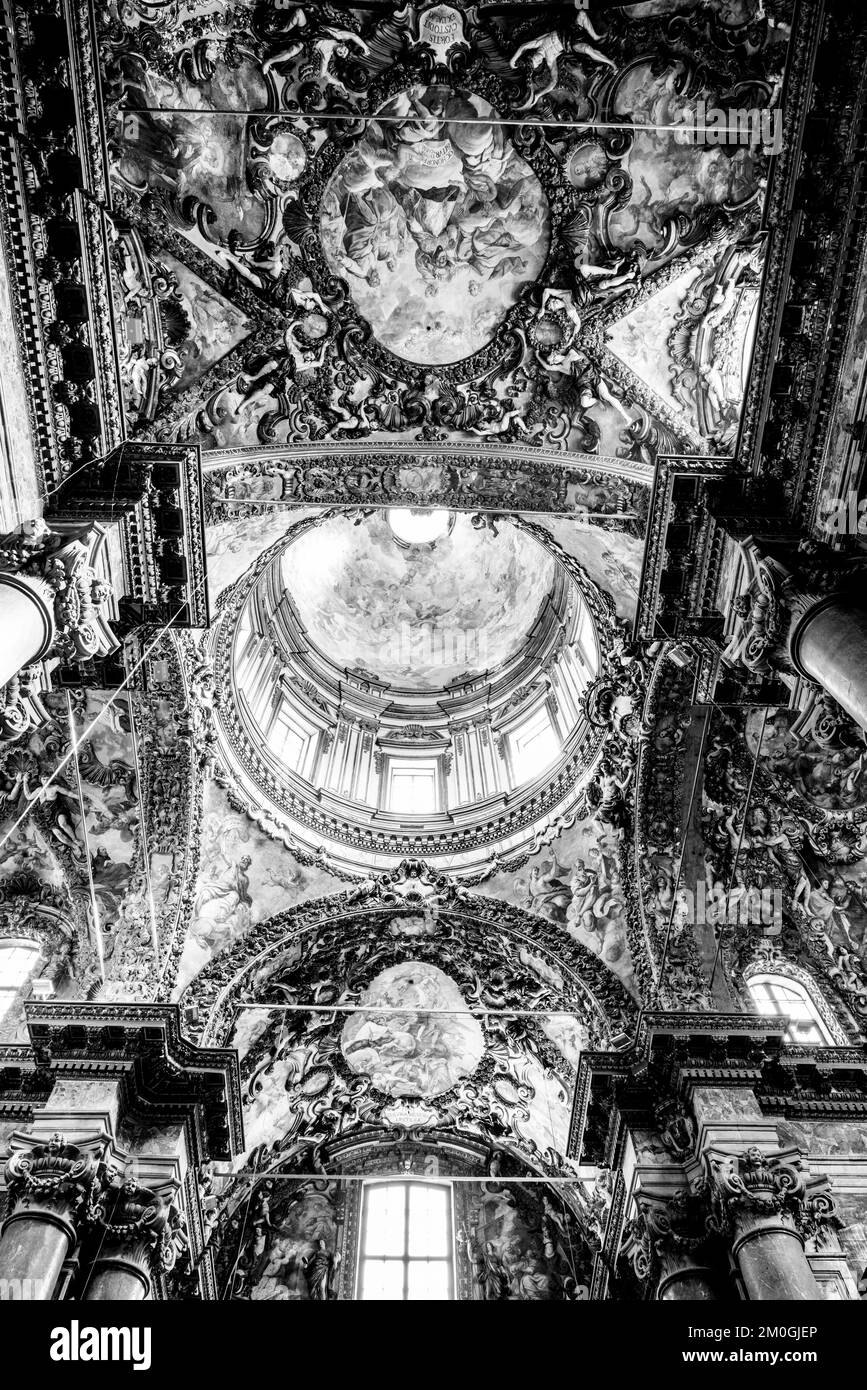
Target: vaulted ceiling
490, 228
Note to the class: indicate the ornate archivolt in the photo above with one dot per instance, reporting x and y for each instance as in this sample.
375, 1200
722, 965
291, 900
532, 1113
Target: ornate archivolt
610, 492
408, 1002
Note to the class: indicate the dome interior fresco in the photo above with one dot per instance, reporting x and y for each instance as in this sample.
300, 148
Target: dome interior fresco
416, 616
380, 668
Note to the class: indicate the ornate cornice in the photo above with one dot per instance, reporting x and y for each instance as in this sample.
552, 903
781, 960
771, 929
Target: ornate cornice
162, 1072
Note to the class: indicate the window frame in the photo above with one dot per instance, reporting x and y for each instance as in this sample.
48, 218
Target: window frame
10, 992
768, 979
418, 765
406, 1259
518, 755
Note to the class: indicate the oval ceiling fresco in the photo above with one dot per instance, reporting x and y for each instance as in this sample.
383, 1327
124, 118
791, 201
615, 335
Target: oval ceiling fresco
422, 1041
436, 222
418, 616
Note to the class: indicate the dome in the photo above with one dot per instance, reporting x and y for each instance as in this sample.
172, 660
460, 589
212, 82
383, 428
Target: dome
409, 683
419, 615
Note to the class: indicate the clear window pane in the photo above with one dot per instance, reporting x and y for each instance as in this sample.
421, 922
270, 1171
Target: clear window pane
382, 1279
17, 964
428, 1221
412, 789
406, 1241
535, 746
428, 1279
777, 997
386, 1220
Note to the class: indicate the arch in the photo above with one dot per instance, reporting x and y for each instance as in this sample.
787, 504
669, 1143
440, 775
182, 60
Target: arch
208, 1001
287, 1205
787, 992
492, 1011
20, 957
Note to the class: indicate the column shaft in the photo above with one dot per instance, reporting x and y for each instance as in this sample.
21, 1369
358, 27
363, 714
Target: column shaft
829, 646
119, 1277
33, 1247
26, 621
772, 1262
689, 1284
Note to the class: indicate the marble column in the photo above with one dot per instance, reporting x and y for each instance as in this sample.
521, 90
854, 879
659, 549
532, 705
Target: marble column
770, 1256
765, 1205
48, 1186
26, 621
828, 645
685, 1281
120, 1275
128, 1225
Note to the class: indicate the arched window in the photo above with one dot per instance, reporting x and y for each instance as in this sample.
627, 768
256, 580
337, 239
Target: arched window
534, 745
406, 1242
778, 996
18, 960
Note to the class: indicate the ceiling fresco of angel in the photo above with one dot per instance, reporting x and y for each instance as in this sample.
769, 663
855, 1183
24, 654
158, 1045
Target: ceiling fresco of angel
435, 223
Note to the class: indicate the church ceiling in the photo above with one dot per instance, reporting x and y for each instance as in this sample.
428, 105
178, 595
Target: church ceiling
435, 225
366, 601
411, 1004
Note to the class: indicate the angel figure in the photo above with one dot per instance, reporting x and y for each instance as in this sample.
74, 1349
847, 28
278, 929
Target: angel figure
545, 52
333, 42
607, 794
611, 281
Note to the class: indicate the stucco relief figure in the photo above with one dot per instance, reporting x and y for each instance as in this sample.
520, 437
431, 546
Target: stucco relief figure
320, 1268
543, 56
435, 222
610, 282
332, 42
555, 333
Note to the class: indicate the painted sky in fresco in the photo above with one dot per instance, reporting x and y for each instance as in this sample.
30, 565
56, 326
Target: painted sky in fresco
437, 224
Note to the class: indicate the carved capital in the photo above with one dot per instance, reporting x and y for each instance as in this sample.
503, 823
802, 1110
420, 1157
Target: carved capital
59, 574
665, 1235
757, 1183
128, 1216
63, 570
51, 1178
